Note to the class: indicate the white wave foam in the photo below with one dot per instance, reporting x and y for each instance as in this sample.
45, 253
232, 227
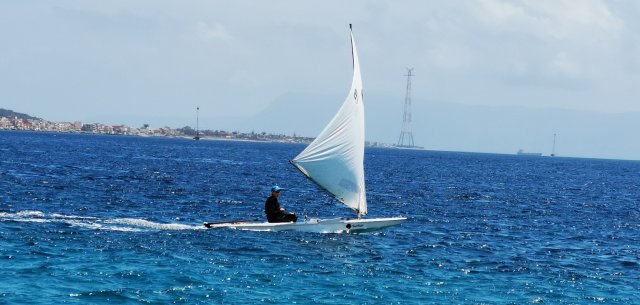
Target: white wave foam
153, 225
95, 223
123, 229
29, 220
72, 216
22, 214
81, 224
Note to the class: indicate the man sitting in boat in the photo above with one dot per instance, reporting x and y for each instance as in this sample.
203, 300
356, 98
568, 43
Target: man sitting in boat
273, 210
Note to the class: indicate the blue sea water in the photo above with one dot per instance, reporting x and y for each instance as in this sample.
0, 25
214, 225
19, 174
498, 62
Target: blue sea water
87, 219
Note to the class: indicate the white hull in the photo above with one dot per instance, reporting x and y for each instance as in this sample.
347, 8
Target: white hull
336, 225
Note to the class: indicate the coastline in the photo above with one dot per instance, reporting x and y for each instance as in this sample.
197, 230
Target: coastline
284, 139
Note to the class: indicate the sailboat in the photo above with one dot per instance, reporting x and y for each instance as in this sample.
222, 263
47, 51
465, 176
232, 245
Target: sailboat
334, 161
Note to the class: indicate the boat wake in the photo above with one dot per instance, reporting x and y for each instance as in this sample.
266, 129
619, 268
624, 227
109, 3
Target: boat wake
96, 223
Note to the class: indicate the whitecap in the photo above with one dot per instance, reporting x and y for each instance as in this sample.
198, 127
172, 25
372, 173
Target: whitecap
28, 213
89, 222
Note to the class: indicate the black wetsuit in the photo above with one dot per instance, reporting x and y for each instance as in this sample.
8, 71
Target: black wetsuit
274, 214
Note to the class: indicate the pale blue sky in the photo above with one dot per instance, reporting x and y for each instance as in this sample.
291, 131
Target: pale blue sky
138, 62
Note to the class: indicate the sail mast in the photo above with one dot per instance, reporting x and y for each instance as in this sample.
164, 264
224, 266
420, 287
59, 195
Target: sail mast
353, 56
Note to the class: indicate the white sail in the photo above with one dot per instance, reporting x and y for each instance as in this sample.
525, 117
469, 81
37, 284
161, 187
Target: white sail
335, 159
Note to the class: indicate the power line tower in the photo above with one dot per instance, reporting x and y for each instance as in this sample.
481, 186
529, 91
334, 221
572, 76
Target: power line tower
406, 136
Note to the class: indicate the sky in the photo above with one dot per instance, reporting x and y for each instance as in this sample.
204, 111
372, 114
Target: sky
491, 75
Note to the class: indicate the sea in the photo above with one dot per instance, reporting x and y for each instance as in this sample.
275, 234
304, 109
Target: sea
99, 219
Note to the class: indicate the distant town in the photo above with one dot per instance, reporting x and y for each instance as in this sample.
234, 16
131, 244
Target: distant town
10, 120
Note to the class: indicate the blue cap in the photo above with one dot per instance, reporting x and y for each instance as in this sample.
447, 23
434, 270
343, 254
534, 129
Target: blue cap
276, 188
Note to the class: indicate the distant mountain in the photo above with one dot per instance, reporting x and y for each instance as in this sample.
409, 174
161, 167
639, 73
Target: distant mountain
459, 127
299, 113
10, 113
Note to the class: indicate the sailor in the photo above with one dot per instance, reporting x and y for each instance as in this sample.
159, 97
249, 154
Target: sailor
273, 210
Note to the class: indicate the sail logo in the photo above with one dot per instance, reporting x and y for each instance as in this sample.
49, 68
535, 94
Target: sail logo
355, 95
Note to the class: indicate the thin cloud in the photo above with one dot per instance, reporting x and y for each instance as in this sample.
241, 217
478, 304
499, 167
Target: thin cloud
584, 22
565, 65
209, 33
450, 56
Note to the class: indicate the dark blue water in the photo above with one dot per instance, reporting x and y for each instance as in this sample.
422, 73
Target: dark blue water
117, 220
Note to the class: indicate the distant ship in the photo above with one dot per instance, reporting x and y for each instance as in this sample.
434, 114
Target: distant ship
531, 154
